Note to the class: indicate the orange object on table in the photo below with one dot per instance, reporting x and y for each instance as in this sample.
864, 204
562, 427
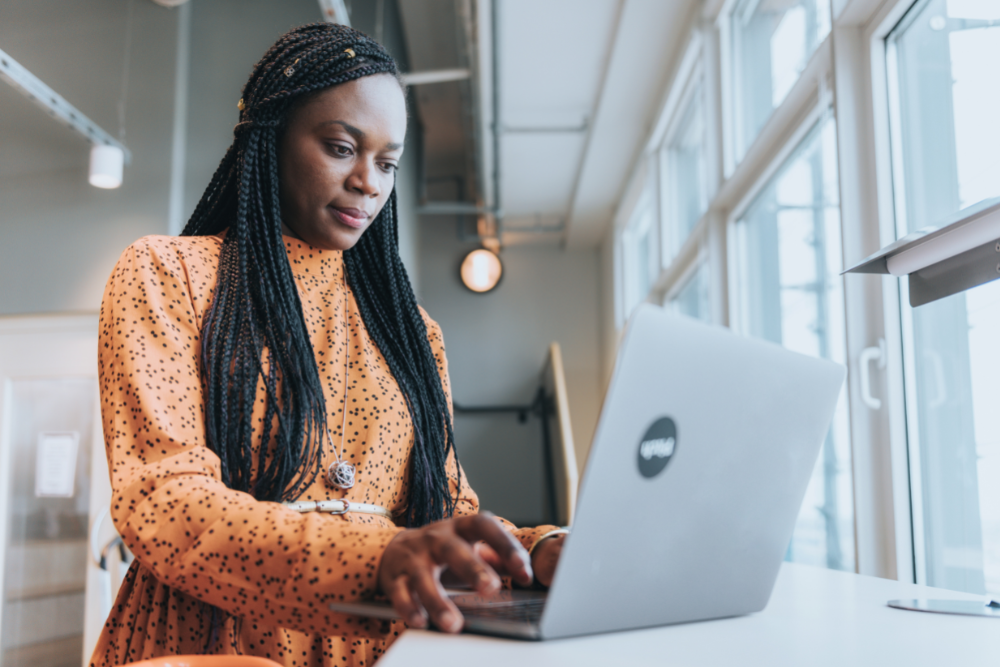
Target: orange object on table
205, 661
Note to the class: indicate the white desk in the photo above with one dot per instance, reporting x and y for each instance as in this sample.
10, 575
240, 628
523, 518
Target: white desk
816, 617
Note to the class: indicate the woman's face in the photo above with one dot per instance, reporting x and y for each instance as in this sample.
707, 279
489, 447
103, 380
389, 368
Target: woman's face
337, 160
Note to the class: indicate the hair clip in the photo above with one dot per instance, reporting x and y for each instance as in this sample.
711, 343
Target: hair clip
240, 105
291, 68
350, 53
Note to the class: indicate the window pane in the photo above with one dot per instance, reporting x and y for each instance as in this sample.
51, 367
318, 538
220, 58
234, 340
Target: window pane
686, 169
772, 42
693, 299
956, 377
640, 255
791, 293
945, 85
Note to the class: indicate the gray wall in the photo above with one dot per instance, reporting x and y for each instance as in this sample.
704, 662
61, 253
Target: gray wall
227, 38
497, 343
60, 237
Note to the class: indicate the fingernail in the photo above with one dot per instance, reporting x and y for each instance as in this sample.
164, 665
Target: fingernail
449, 622
418, 621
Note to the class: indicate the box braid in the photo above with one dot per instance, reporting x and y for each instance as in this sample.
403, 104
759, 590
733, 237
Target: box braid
255, 327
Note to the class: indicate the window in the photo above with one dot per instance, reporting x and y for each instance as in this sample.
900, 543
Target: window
790, 292
771, 43
944, 84
640, 256
693, 298
684, 166
944, 89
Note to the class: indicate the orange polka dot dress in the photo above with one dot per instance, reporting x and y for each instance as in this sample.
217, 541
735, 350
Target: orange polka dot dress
268, 572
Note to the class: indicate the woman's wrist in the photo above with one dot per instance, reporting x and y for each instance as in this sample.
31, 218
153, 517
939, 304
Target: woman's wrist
541, 538
545, 553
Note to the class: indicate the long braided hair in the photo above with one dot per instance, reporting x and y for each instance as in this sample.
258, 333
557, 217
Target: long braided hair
255, 327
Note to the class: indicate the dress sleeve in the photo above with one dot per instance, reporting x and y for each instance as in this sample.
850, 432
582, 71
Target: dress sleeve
253, 559
468, 501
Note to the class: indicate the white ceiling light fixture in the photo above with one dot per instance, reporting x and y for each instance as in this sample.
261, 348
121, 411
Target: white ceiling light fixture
170, 3
481, 270
335, 11
106, 166
53, 103
435, 76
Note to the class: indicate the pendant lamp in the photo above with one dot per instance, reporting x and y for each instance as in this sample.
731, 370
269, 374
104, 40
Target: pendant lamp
106, 166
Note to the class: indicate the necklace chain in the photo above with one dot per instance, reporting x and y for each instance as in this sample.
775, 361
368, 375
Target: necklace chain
340, 474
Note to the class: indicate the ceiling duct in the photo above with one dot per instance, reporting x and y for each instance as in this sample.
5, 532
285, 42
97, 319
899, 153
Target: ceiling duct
443, 55
334, 11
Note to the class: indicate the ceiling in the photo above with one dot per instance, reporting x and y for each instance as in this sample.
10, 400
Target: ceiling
580, 83
90, 39
594, 73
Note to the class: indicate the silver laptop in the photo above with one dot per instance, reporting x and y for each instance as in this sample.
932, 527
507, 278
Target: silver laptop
701, 458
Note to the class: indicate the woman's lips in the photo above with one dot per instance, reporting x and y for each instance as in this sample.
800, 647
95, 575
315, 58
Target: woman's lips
354, 218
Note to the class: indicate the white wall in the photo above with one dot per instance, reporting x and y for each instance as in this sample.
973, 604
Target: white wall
496, 345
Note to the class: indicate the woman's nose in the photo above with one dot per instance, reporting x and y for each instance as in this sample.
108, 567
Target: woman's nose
364, 178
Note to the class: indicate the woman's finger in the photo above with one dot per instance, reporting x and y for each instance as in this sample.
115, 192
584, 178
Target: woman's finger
462, 561
490, 557
442, 611
485, 527
408, 607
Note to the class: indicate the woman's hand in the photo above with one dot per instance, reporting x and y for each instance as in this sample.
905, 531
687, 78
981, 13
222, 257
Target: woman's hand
545, 557
412, 563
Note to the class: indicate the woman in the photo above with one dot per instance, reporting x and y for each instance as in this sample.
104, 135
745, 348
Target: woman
274, 362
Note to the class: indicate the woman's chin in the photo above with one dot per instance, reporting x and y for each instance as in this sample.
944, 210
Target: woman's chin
330, 236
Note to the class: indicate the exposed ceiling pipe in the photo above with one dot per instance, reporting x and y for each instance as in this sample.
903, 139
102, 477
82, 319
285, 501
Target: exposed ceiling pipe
435, 76
491, 210
454, 208
53, 103
335, 11
497, 124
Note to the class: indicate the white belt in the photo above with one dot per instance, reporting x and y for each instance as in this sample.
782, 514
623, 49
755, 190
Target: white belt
338, 507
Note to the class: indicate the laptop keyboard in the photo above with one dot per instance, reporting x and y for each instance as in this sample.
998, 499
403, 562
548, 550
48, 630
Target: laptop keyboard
522, 611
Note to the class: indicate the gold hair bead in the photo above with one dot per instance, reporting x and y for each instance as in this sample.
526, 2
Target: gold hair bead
240, 105
291, 68
350, 53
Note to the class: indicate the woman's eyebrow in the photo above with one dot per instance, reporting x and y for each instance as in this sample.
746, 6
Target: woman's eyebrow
357, 133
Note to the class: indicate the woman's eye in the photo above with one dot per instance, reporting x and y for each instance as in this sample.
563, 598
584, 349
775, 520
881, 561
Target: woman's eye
389, 168
341, 150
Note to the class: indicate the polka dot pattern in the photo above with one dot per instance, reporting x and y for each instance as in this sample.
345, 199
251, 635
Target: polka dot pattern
269, 572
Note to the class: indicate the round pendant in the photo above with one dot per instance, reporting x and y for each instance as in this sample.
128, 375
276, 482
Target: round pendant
340, 474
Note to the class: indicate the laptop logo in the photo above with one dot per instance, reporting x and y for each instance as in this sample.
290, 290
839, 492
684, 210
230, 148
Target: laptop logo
657, 447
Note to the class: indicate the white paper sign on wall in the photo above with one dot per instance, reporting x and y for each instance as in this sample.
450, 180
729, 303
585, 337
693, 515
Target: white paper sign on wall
55, 466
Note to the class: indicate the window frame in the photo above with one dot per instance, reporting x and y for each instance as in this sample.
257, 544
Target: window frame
813, 116
690, 270
732, 135
675, 112
847, 72
908, 517
907, 485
